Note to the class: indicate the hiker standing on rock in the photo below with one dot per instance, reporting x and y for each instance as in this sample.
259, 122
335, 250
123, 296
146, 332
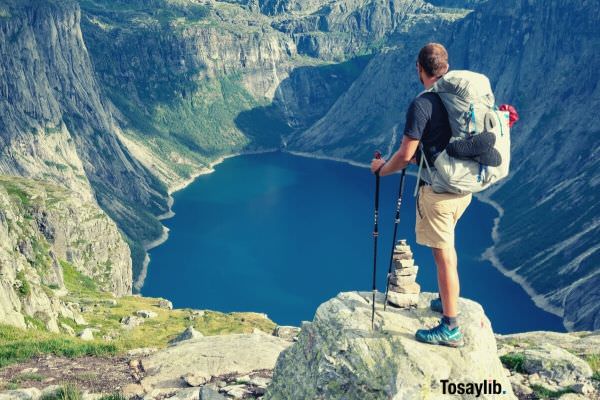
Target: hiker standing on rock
427, 124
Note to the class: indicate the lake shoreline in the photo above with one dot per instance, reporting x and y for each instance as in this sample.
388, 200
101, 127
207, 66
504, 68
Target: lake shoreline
488, 254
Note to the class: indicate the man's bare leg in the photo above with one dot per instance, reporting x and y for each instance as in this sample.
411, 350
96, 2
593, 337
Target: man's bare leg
448, 284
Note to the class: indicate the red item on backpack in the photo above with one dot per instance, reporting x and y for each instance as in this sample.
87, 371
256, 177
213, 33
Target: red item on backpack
513, 114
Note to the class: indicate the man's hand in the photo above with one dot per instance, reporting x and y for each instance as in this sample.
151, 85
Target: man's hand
376, 164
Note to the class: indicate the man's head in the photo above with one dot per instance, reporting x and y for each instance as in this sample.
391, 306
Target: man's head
432, 63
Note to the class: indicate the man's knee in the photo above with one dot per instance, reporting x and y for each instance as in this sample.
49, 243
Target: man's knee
444, 257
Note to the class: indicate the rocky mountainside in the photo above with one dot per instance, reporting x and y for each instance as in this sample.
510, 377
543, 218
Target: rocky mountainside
48, 235
522, 47
56, 125
336, 356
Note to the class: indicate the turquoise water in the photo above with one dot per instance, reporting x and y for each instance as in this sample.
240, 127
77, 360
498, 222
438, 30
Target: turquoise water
280, 234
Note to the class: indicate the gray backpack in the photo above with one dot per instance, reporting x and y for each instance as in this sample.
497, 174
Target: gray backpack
469, 100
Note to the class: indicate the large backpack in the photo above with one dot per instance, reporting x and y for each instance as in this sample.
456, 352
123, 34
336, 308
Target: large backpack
469, 100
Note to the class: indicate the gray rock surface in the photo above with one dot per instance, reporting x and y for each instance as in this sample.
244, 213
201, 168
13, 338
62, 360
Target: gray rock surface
211, 355
338, 356
551, 360
287, 332
87, 334
188, 334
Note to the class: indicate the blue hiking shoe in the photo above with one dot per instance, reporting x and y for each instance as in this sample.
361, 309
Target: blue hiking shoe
436, 305
441, 335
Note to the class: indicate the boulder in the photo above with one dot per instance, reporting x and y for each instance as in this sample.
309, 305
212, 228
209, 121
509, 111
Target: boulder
339, 356
211, 356
87, 334
21, 394
207, 393
146, 314
399, 280
196, 378
555, 365
192, 393
164, 303
287, 332
403, 299
412, 288
407, 271
131, 321
187, 334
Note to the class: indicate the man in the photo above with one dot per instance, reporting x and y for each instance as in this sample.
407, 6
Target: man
437, 213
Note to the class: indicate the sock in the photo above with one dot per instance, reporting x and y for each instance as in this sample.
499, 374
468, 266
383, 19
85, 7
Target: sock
450, 322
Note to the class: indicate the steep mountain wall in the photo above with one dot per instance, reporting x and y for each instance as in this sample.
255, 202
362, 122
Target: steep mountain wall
546, 236
57, 126
335, 29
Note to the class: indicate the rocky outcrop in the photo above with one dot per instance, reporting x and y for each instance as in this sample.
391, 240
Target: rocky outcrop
338, 356
514, 43
43, 230
550, 363
208, 357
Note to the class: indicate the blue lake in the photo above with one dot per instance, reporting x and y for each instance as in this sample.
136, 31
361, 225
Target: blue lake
280, 234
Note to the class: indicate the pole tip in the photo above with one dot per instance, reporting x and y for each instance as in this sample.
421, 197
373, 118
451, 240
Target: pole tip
377, 154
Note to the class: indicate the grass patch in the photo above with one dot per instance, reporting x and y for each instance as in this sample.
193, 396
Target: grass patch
18, 345
114, 396
67, 392
15, 190
24, 288
594, 361
28, 377
514, 361
79, 285
544, 393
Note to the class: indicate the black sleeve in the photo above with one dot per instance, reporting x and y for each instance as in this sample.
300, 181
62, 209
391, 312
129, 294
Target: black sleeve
417, 117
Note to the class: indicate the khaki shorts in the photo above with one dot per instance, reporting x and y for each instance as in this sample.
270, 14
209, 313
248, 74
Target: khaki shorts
437, 215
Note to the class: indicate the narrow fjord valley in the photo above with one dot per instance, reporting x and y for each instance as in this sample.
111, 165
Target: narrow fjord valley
107, 107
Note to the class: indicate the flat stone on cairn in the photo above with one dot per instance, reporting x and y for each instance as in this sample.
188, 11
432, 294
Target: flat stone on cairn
403, 289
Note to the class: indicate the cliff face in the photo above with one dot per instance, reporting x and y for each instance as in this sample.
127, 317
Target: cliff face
55, 123
205, 81
545, 238
333, 30
43, 230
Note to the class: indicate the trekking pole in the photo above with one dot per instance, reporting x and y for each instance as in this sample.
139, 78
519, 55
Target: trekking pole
396, 223
375, 234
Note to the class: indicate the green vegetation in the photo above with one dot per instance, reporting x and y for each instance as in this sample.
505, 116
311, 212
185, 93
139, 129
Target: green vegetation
13, 189
19, 345
77, 284
544, 393
59, 166
24, 289
66, 392
514, 361
114, 396
27, 377
594, 362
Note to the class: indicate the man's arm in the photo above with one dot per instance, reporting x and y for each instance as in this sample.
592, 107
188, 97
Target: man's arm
399, 160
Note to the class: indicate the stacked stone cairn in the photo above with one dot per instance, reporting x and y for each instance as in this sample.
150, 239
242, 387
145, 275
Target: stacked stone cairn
403, 290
